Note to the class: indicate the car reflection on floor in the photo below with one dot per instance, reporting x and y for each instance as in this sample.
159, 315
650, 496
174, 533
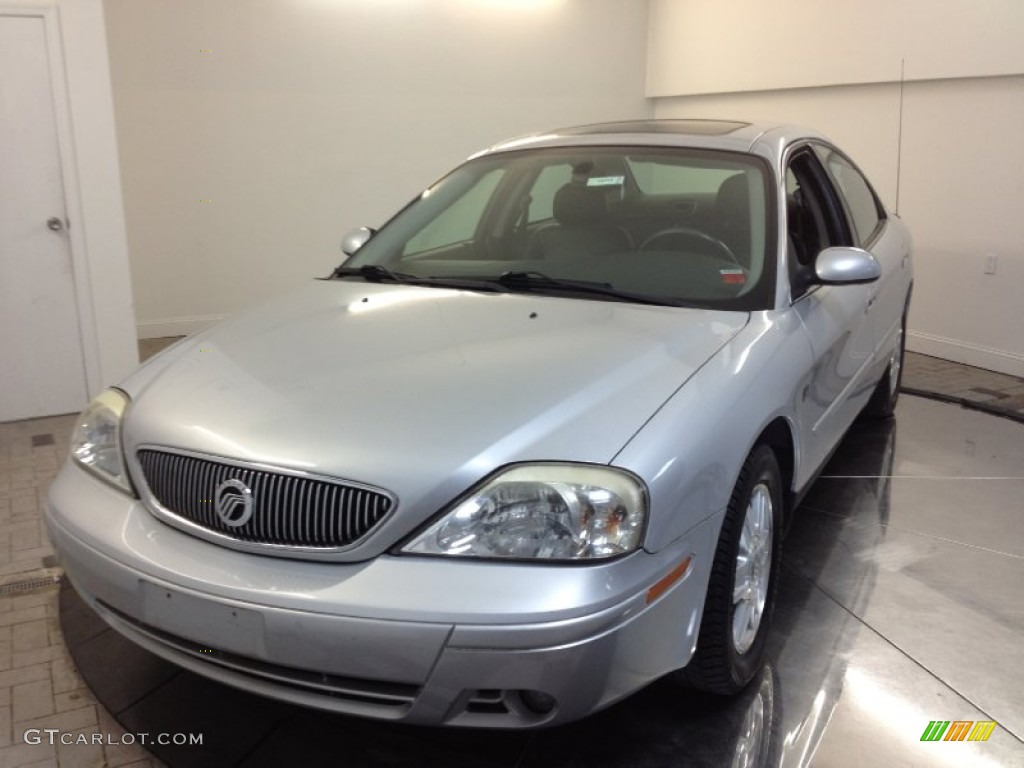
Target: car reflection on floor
833, 682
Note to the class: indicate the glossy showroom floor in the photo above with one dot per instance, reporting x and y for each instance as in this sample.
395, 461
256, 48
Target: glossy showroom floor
901, 602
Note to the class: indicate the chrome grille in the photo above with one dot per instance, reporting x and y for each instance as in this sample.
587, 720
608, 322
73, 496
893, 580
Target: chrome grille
288, 510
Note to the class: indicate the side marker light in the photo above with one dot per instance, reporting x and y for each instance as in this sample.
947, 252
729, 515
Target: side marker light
662, 585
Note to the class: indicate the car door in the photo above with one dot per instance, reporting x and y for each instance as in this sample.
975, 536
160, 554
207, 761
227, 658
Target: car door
884, 237
836, 318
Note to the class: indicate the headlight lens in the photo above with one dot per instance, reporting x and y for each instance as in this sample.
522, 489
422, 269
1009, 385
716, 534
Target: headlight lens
545, 512
96, 442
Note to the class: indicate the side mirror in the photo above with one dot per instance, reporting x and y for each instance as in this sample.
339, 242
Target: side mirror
355, 239
842, 266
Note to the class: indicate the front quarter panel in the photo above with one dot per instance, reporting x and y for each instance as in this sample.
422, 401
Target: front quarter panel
691, 450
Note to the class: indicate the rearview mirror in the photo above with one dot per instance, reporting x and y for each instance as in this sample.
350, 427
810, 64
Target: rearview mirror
842, 266
355, 239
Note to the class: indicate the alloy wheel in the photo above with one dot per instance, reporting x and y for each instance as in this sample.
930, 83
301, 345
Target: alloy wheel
753, 568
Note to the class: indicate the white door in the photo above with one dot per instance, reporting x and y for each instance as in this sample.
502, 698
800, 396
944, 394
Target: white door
42, 369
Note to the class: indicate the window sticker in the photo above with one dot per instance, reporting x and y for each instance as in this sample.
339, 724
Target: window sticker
733, 276
605, 181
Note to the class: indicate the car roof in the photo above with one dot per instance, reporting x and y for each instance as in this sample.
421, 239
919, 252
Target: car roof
768, 139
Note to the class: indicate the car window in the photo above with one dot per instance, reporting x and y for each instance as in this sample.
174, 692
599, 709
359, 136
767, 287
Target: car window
577, 214
812, 219
542, 193
458, 222
861, 202
662, 179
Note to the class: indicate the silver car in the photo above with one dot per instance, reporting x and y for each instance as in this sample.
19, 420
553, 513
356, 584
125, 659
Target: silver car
529, 448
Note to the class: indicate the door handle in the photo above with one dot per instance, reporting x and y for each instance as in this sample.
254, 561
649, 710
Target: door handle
55, 224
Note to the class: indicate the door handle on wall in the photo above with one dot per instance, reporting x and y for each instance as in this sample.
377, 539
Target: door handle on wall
55, 224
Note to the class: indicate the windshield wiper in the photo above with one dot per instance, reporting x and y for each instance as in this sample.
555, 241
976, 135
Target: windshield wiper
374, 273
529, 281
520, 281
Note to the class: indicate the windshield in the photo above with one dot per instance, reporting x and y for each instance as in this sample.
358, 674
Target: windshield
665, 225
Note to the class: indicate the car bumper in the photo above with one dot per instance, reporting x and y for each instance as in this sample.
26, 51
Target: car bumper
425, 640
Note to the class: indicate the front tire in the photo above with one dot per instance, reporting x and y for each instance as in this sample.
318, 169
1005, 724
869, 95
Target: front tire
742, 587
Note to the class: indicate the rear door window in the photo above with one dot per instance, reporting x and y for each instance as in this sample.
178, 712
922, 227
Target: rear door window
861, 203
542, 193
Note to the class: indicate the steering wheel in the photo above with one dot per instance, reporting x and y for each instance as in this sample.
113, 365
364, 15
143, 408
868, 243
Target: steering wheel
685, 239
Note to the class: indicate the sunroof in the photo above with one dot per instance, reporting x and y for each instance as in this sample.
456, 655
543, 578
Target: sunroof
691, 127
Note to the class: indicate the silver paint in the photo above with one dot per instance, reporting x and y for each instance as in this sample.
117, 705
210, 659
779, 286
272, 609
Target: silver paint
355, 239
839, 266
400, 387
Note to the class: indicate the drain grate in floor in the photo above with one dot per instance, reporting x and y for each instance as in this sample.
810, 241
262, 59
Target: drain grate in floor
28, 585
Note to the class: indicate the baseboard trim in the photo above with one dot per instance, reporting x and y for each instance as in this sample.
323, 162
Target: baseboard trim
1000, 360
179, 326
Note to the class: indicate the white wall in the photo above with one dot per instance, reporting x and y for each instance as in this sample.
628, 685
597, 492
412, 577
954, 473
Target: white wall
254, 133
92, 186
723, 46
960, 162
962, 191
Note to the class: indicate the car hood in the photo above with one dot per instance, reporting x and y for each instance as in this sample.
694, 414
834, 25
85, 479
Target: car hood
420, 391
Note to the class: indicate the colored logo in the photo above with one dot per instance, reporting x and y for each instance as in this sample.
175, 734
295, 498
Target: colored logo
233, 501
958, 730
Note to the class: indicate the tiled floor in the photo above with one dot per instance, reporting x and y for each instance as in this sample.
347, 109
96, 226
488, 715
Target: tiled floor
39, 686
986, 390
149, 347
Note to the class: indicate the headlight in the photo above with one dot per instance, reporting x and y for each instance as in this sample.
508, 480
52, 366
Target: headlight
96, 442
545, 512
